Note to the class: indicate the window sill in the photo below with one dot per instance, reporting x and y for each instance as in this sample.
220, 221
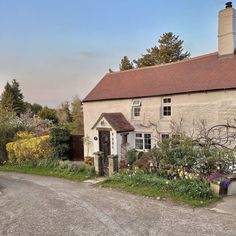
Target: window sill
166, 118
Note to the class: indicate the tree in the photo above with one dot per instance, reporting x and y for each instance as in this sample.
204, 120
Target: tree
12, 99
48, 114
7, 98
63, 113
18, 103
170, 49
34, 108
126, 64
77, 125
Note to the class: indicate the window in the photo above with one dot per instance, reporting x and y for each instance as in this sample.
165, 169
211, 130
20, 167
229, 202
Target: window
136, 108
164, 137
136, 103
143, 141
147, 141
166, 107
136, 111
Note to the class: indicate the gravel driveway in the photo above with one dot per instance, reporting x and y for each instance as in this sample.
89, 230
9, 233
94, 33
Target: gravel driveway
33, 205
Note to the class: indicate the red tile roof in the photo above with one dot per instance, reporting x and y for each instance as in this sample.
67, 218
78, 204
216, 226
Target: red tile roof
204, 73
117, 121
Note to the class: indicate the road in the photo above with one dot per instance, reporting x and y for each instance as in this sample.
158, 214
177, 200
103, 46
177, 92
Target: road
34, 205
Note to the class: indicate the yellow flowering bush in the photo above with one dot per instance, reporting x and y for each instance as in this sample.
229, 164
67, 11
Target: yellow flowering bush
29, 149
24, 135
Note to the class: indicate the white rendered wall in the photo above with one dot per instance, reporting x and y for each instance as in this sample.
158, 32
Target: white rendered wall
214, 107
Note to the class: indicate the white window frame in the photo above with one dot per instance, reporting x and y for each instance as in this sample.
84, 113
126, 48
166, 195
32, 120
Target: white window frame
142, 138
166, 102
136, 104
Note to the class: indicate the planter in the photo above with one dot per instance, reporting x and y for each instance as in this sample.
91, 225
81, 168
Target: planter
218, 189
215, 188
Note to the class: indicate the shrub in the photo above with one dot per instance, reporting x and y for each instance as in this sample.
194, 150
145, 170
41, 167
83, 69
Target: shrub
60, 141
143, 163
131, 156
29, 150
182, 153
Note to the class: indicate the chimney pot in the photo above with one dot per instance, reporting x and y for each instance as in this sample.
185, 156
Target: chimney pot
228, 5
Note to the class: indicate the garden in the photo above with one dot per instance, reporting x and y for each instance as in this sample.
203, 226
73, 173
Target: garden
38, 147
36, 139
179, 169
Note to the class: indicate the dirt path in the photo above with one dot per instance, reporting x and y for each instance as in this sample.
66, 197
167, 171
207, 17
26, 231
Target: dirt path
33, 205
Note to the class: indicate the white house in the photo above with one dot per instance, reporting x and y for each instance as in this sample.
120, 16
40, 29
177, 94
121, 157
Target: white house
123, 106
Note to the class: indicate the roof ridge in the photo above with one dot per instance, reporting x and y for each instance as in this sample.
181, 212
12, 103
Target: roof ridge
165, 64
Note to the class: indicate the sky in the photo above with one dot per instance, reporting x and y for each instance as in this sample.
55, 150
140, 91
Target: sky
57, 49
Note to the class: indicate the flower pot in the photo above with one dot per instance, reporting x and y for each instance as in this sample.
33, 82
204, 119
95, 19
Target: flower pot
215, 188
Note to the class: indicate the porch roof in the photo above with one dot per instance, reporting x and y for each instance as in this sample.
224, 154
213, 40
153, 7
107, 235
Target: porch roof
117, 121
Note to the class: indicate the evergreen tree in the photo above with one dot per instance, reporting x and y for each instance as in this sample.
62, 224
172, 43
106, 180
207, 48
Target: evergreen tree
7, 98
12, 99
77, 117
18, 104
170, 49
126, 64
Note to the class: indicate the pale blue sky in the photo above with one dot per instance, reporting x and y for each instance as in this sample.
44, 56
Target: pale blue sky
60, 48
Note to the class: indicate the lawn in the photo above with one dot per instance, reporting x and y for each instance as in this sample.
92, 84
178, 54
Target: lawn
78, 175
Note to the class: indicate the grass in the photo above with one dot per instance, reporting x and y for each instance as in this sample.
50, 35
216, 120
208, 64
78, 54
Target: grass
155, 192
49, 171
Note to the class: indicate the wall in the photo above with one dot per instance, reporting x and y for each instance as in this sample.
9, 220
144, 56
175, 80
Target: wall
214, 107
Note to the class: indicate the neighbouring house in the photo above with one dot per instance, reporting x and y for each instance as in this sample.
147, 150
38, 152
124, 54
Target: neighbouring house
125, 109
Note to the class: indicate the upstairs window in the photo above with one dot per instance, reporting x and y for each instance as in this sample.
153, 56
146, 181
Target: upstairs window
166, 107
136, 108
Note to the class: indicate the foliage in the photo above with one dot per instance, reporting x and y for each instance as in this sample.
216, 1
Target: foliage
60, 141
52, 167
180, 157
35, 108
7, 98
48, 114
29, 150
63, 113
170, 49
77, 125
131, 156
194, 192
24, 135
12, 100
10, 124
126, 64
18, 102
143, 163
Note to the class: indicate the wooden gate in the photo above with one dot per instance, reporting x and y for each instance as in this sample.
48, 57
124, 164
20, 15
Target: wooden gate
77, 148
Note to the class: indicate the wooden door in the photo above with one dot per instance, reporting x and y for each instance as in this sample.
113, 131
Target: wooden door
105, 148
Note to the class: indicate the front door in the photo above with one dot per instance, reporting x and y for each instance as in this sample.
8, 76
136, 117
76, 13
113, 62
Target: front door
105, 148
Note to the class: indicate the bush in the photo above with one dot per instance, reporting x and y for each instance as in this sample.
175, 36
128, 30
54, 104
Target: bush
131, 156
29, 150
182, 154
60, 141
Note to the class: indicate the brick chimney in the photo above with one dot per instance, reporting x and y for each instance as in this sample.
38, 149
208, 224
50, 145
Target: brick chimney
227, 31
